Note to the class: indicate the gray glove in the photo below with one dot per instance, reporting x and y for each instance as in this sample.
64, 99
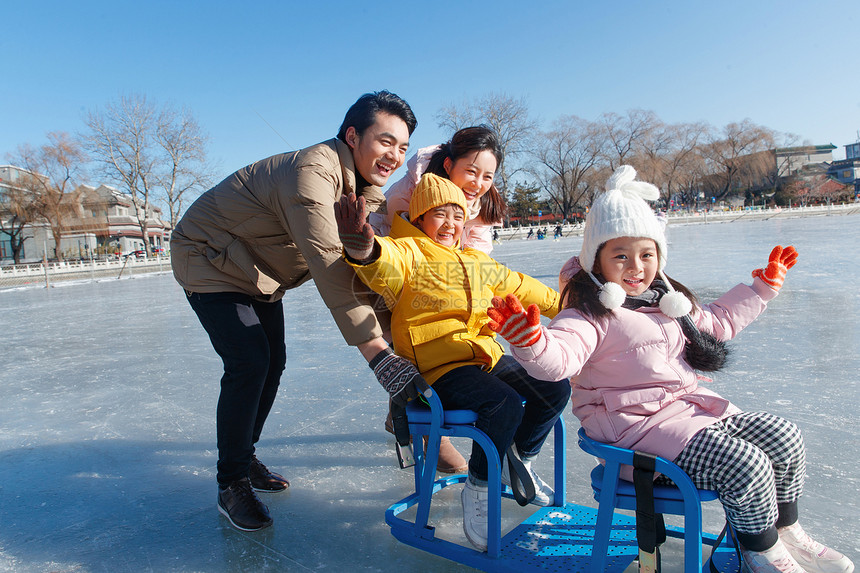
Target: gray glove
355, 232
399, 377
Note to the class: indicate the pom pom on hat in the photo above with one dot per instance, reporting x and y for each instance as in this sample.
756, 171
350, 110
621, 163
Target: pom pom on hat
433, 191
611, 295
624, 179
621, 211
675, 305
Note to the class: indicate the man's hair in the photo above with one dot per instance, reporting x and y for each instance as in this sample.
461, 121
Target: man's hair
363, 112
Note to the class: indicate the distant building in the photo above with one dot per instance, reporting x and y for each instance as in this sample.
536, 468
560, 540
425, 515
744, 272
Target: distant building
791, 160
10, 187
757, 176
98, 221
9, 176
847, 170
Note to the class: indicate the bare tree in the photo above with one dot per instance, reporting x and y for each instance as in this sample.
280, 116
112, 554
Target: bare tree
625, 133
150, 152
692, 179
725, 151
507, 116
567, 158
671, 159
186, 171
17, 210
122, 143
50, 175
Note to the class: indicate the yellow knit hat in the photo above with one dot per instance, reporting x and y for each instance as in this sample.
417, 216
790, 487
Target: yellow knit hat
433, 191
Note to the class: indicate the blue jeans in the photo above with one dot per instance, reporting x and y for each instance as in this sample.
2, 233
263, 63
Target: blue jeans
248, 335
497, 396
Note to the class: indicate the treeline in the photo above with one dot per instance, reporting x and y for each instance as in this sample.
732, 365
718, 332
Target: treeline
157, 154
559, 168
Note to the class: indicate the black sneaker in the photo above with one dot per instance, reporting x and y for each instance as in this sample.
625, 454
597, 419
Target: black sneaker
263, 480
238, 503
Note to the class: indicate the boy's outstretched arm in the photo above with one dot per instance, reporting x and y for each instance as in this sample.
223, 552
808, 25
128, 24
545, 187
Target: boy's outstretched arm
397, 375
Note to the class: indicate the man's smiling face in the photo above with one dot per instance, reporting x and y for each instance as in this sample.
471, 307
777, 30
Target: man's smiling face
381, 149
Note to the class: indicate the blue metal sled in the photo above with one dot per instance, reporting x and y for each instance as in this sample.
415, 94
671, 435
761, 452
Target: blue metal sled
556, 538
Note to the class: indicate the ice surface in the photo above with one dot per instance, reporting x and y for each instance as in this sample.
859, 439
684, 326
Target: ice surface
108, 391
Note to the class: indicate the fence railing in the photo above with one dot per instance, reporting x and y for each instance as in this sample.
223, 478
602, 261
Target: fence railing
32, 274
702, 216
758, 213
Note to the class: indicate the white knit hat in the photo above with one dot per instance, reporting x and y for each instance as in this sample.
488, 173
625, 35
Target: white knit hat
621, 211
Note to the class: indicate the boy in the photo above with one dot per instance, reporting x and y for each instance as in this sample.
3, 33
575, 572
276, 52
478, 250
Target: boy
439, 295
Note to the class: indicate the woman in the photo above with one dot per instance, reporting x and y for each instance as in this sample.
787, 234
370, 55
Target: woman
470, 161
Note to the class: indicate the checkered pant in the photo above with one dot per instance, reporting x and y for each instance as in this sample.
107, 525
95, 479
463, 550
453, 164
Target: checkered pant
753, 460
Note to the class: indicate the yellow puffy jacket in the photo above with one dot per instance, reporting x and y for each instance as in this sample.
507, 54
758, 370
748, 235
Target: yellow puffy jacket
439, 298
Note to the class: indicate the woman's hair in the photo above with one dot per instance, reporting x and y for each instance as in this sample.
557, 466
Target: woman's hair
470, 140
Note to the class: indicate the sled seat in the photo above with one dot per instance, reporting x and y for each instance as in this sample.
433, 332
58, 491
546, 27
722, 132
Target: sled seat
683, 498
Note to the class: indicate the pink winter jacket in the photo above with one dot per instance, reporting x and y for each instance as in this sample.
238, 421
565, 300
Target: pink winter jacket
477, 233
632, 387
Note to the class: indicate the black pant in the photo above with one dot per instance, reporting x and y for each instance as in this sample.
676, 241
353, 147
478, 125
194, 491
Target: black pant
497, 396
248, 335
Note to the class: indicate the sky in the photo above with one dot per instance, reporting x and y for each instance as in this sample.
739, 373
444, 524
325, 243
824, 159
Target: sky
268, 77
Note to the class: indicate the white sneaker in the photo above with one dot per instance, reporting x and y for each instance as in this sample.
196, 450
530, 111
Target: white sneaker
544, 494
475, 509
812, 555
777, 559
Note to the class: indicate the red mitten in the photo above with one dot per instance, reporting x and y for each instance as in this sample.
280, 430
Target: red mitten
519, 327
778, 263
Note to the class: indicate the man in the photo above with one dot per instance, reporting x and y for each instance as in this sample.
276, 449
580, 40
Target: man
265, 229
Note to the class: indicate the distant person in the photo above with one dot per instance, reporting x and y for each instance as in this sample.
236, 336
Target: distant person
631, 341
469, 160
439, 294
662, 220
268, 228
531, 234
557, 233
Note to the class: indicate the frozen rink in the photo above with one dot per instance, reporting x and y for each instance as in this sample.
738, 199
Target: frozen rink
108, 391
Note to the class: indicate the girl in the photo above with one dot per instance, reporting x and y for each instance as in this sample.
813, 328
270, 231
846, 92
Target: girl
439, 295
470, 161
630, 340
